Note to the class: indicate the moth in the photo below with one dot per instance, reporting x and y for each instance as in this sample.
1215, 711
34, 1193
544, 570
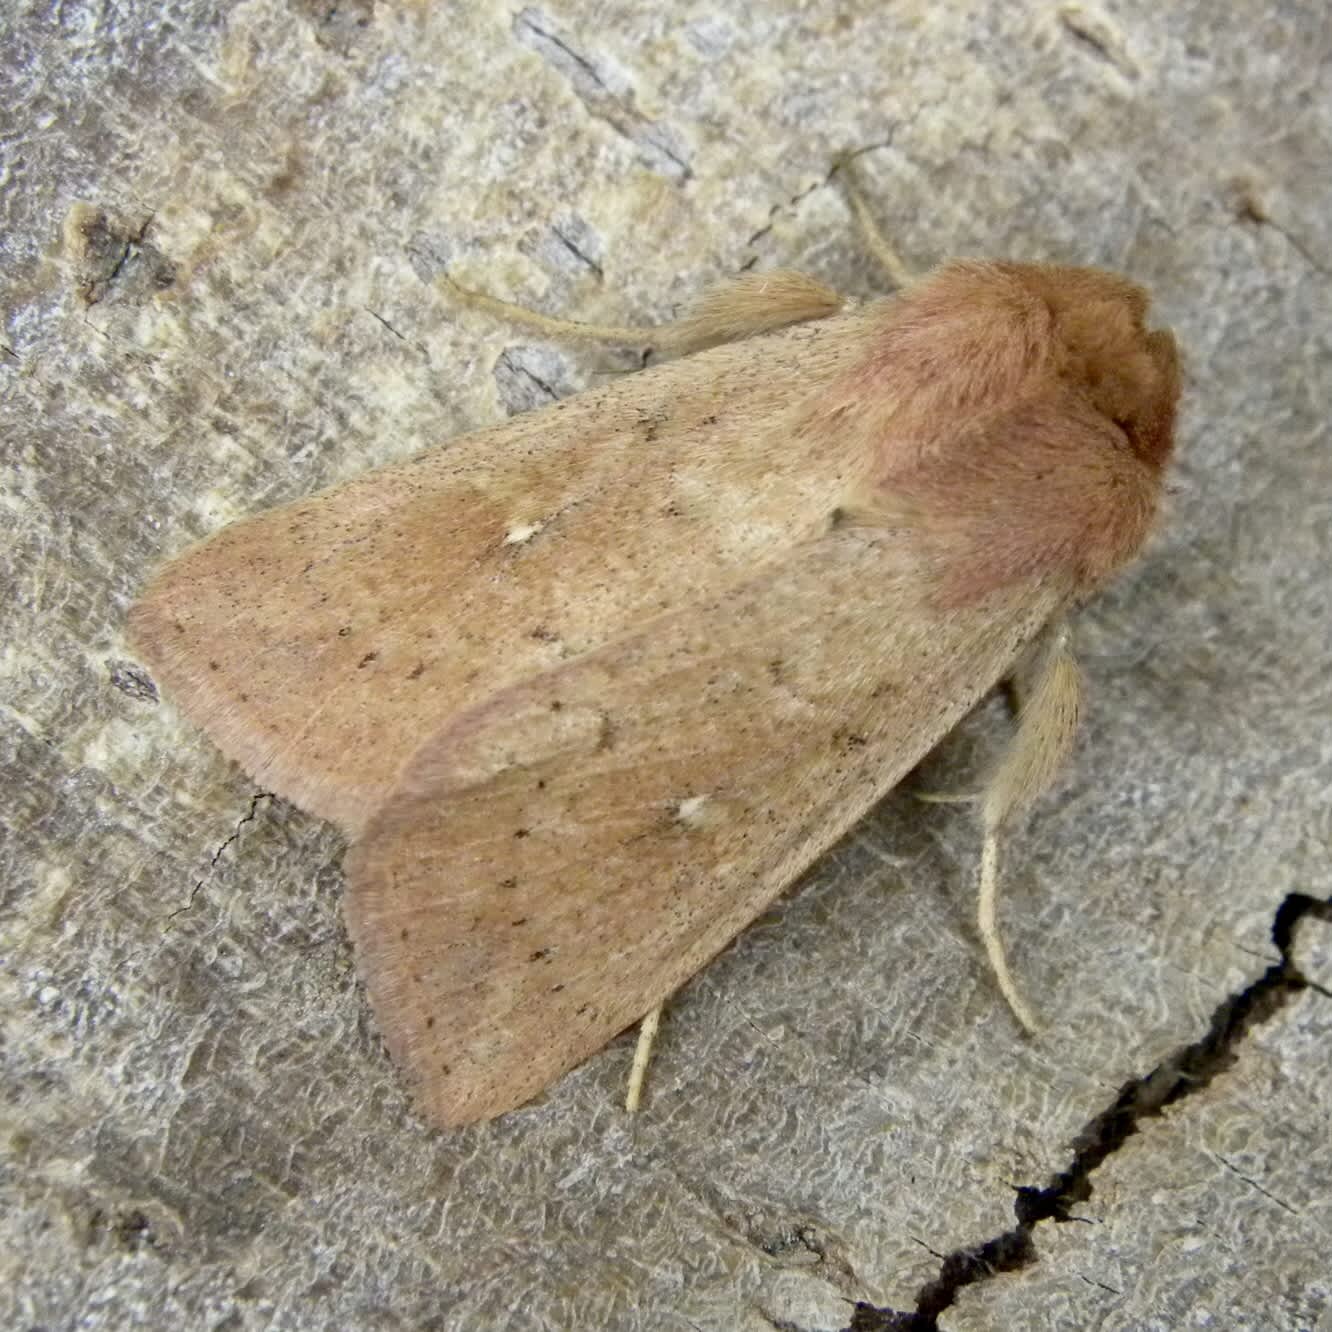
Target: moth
588, 689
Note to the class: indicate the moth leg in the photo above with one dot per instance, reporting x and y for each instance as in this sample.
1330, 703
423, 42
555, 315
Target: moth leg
751, 304
1049, 685
647, 1035
875, 241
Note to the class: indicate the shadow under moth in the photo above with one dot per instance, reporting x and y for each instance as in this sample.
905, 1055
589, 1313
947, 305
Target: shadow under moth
588, 689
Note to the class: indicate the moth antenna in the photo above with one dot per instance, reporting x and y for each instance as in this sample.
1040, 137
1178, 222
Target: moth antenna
750, 304
647, 1035
1051, 688
875, 241
569, 330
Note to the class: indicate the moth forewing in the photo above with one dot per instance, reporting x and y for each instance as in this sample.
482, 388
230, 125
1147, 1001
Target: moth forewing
333, 626
557, 861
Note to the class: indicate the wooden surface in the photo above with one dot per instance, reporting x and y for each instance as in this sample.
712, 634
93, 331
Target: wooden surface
218, 227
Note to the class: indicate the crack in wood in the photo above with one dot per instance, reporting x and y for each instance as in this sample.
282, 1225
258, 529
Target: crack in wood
217, 855
1180, 1075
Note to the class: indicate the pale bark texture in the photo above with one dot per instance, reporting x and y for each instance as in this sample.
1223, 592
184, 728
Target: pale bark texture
219, 226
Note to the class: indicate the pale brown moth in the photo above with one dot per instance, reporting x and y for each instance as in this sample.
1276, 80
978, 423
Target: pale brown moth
589, 688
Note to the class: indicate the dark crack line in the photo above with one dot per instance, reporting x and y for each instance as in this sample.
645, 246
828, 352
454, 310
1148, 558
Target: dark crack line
792, 202
1180, 1075
581, 61
576, 252
374, 314
249, 817
1253, 1184
618, 110
932, 1252
536, 379
402, 337
654, 135
839, 162
1100, 1285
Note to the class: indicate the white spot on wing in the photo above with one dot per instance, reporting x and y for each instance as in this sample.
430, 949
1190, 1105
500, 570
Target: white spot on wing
690, 809
521, 532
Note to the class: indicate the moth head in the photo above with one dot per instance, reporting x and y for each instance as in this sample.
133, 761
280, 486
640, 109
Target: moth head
1103, 348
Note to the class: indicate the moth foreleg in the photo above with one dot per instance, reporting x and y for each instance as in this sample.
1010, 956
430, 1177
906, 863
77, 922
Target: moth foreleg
751, 304
1049, 687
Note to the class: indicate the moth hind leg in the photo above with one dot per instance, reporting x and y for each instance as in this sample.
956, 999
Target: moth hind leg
748, 305
647, 1038
1049, 688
